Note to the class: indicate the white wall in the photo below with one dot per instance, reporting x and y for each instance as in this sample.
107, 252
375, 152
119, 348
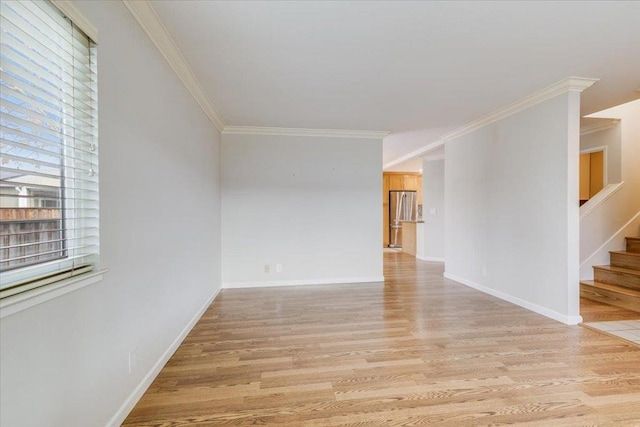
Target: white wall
311, 204
433, 208
65, 362
511, 209
611, 139
605, 226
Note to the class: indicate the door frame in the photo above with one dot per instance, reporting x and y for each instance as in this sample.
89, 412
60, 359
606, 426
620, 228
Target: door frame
605, 172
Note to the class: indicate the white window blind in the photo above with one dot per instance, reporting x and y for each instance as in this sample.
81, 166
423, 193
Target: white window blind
48, 147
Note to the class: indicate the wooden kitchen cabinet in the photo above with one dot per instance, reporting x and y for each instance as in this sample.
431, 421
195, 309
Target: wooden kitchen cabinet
410, 182
396, 182
385, 188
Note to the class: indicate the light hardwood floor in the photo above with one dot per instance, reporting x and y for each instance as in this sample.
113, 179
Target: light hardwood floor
418, 349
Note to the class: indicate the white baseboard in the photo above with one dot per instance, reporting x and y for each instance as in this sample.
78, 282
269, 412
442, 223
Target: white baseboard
332, 281
430, 258
119, 417
568, 320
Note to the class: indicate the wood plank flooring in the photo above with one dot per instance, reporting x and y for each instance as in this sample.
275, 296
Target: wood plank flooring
418, 349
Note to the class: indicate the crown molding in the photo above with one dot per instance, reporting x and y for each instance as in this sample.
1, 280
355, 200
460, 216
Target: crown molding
145, 14
150, 22
72, 12
597, 127
570, 84
331, 133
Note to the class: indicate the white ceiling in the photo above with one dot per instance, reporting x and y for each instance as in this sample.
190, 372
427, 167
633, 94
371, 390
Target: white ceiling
417, 69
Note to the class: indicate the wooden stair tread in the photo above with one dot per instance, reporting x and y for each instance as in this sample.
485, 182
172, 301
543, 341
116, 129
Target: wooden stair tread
625, 253
612, 288
622, 270
617, 284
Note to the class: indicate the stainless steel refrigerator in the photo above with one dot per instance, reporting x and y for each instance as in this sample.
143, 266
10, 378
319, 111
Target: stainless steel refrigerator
403, 206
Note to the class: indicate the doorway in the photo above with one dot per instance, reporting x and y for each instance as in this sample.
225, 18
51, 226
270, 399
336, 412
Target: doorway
592, 173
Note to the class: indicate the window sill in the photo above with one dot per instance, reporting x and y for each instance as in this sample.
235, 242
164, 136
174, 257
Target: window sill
16, 303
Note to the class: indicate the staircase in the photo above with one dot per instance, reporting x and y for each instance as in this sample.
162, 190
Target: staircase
619, 283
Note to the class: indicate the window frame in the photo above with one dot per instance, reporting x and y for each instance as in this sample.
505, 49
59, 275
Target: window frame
56, 282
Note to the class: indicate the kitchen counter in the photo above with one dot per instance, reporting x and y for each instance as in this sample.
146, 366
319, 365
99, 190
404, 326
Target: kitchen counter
409, 237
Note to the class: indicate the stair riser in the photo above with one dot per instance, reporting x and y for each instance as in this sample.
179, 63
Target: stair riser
633, 245
617, 278
625, 261
610, 297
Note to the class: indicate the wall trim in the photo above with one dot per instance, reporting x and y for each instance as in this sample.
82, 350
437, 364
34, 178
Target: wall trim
570, 84
600, 126
15, 303
430, 258
332, 133
273, 283
594, 149
131, 401
605, 244
145, 14
567, 320
150, 22
72, 12
599, 198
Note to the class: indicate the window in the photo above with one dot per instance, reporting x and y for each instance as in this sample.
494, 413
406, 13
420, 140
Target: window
48, 148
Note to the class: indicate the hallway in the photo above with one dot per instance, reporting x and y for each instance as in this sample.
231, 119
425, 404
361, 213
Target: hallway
416, 349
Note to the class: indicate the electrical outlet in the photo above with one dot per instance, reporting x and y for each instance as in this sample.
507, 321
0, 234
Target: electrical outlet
278, 268
266, 268
133, 359
484, 271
